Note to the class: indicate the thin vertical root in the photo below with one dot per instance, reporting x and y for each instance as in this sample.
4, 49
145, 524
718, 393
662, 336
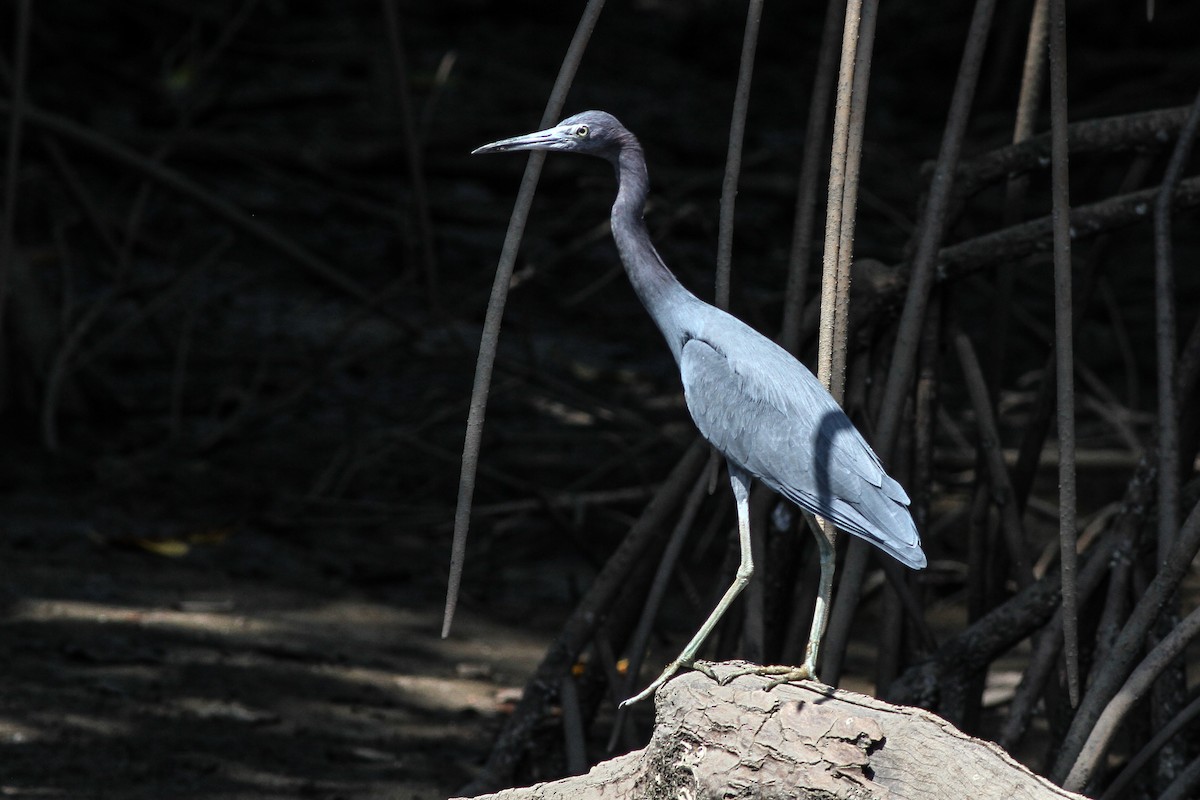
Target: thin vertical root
490, 340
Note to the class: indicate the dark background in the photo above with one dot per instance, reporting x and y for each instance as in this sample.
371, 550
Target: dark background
231, 457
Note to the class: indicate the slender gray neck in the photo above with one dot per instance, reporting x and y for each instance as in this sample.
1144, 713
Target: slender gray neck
657, 288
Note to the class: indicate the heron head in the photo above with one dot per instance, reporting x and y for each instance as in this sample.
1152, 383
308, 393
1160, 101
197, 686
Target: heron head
593, 132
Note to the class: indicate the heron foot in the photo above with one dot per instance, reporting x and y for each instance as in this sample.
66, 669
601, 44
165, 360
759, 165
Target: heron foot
779, 672
783, 675
670, 670
705, 668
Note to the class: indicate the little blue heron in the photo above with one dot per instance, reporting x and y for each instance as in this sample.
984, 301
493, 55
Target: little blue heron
755, 403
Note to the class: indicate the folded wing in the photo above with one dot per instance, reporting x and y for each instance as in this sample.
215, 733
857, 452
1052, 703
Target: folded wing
765, 412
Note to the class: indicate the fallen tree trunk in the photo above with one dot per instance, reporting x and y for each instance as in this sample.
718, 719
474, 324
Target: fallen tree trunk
801, 740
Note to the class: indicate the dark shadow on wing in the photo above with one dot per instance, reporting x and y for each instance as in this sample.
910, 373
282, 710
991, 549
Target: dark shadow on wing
856, 494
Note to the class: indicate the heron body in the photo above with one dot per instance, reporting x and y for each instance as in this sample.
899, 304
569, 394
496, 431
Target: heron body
753, 401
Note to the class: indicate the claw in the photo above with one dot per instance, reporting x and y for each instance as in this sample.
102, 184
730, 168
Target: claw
671, 669
781, 674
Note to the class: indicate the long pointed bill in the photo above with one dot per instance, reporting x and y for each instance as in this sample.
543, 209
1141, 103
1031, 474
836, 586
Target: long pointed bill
557, 138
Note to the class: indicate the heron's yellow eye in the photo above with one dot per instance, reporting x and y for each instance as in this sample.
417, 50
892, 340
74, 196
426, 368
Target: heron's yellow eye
581, 131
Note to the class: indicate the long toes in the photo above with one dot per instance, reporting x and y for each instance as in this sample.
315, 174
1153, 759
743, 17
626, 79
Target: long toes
792, 676
735, 673
666, 675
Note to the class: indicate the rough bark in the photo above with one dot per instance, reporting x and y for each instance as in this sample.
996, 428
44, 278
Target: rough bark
801, 740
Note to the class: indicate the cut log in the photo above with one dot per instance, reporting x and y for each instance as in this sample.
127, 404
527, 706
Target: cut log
802, 740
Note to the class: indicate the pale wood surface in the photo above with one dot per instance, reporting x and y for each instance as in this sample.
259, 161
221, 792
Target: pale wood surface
796, 741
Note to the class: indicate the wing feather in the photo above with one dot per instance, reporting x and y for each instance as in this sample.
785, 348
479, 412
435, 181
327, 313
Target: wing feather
768, 414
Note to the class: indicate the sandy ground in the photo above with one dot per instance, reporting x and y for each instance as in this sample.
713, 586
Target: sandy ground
235, 663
